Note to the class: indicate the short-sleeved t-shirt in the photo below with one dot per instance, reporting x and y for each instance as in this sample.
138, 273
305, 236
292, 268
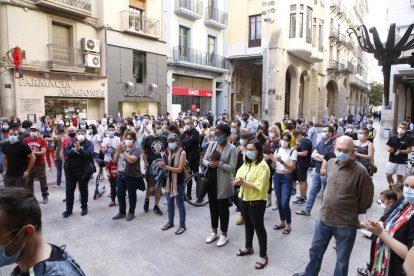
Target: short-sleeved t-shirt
16, 158
129, 169
36, 145
153, 147
322, 149
304, 145
114, 142
286, 155
399, 144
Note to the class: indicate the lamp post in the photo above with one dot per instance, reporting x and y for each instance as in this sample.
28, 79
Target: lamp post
388, 54
268, 11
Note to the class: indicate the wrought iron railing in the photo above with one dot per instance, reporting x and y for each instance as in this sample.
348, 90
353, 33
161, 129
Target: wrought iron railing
334, 34
216, 15
140, 23
192, 5
64, 55
350, 67
85, 5
199, 57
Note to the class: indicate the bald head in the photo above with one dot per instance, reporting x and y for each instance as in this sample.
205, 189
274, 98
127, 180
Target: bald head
409, 181
345, 143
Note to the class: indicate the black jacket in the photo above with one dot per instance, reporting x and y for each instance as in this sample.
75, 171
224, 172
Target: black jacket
190, 140
82, 160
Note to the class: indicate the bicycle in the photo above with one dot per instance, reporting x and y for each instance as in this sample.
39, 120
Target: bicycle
195, 180
99, 178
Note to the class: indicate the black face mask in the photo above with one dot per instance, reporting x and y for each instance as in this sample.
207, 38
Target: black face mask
289, 126
72, 134
245, 118
204, 126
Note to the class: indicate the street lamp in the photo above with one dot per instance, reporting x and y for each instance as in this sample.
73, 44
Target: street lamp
388, 54
268, 11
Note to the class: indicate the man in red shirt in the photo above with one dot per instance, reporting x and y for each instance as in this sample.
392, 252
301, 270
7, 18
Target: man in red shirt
38, 146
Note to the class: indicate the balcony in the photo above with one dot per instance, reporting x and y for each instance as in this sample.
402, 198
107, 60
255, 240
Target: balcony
215, 18
350, 68
140, 25
192, 58
335, 6
191, 9
334, 34
354, 80
65, 58
82, 8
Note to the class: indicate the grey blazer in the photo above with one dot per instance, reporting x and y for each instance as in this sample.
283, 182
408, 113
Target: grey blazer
225, 169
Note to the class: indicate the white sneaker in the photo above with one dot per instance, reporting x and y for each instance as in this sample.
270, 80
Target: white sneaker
56, 186
274, 207
366, 233
212, 237
222, 241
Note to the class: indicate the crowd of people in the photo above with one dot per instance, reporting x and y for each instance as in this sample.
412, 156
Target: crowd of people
244, 160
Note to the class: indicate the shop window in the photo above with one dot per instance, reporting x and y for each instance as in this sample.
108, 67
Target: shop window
139, 66
255, 30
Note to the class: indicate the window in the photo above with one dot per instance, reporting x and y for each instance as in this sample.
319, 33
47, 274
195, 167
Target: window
135, 19
314, 30
184, 41
309, 25
320, 36
62, 43
300, 24
255, 30
292, 30
211, 49
139, 66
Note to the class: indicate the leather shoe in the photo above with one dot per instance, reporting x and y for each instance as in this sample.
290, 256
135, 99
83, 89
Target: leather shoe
66, 213
84, 212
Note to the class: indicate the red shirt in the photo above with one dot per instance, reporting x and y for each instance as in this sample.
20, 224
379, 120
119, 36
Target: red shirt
65, 143
37, 144
75, 122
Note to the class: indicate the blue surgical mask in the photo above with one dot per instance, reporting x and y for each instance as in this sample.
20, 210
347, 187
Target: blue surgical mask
7, 260
187, 127
251, 155
111, 133
158, 132
241, 141
12, 139
233, 130
221, 139
172, 146
341, 156
33, 135
408, 194
323, 134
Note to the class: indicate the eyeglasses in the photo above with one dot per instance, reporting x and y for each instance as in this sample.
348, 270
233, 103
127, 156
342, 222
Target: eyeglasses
128, 139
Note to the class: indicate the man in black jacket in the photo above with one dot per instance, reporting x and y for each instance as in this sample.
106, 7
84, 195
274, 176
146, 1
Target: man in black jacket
79, 167
190, 140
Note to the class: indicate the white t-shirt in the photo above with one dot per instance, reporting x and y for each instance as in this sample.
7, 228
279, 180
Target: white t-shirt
286, 155
96, 141
114, 142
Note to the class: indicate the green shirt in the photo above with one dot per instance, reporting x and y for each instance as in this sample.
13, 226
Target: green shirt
259, 175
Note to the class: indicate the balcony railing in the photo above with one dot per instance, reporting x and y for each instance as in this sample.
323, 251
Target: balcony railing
79, 7
139, 24
215, 15
350, 67
334, 34
354, 80
199, 58
65, 58
192, 9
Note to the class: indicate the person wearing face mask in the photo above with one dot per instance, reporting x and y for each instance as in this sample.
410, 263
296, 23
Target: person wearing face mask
58, 141
364, 149
22, 241
253, 180
318, 181
272, 144
235, 131
127, 156
263, 132
399, 147
190, 141
220, 159
246, 124
109, 144
79, 166
284, 159
204, 132
18, 160
290, 128
38, 146
372, 132
174, 163
153, 147
392, 235
47, 134
26, 124
349, 192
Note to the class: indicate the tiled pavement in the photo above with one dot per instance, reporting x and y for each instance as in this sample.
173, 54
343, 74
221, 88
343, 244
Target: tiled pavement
139, 247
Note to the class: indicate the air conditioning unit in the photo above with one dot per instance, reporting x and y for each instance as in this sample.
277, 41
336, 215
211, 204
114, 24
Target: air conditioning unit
92, 60
90, 45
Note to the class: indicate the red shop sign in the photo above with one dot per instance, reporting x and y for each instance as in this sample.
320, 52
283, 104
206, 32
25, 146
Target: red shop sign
191, 92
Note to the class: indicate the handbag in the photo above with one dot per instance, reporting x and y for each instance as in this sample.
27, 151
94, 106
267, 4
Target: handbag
202, 185
141, 183
373, 168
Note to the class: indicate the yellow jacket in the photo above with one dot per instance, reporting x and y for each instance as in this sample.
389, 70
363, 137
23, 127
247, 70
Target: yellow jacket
258, 174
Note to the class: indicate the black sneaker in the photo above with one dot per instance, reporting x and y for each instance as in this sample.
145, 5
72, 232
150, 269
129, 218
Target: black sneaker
146, 205
84, 212
118, 216
130, 216
300, 201
293, 191
157, 210
66, 213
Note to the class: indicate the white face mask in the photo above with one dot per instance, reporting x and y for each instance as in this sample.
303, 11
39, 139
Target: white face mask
81, 138
361, 137
271, 134
284, 144
400, 131
128, 143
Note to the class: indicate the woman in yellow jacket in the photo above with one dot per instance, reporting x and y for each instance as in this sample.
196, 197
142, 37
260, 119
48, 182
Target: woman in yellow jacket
253, 179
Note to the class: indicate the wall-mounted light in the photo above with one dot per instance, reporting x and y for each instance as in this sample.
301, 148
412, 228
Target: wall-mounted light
129, 84
153, 85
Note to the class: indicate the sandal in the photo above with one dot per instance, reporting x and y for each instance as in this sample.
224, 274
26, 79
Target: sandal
260, 265
244, 252
286, 231
362, 271
278, 227
167, 226
180, 230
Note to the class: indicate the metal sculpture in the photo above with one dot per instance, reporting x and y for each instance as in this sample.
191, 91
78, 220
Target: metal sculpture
388, 54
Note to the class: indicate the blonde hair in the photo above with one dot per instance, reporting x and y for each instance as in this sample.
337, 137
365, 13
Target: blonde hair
276, 130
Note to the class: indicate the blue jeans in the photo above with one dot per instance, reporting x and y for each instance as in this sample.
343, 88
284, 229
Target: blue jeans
283, 191
345, 239
125, 183
318, 183
179, 200
1, 159
58, 165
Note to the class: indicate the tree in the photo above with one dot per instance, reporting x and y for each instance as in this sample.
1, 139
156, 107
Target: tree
376, 95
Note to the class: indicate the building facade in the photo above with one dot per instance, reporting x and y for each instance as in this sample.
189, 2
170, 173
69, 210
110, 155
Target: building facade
197, 70
313, 65
51, 55
135, 56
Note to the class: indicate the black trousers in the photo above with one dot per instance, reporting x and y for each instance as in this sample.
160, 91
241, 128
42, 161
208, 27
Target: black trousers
219, 208
71, 180
253, 214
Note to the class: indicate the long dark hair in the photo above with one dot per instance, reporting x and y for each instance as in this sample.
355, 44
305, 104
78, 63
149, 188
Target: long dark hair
94, 129
286, 134
259, 147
